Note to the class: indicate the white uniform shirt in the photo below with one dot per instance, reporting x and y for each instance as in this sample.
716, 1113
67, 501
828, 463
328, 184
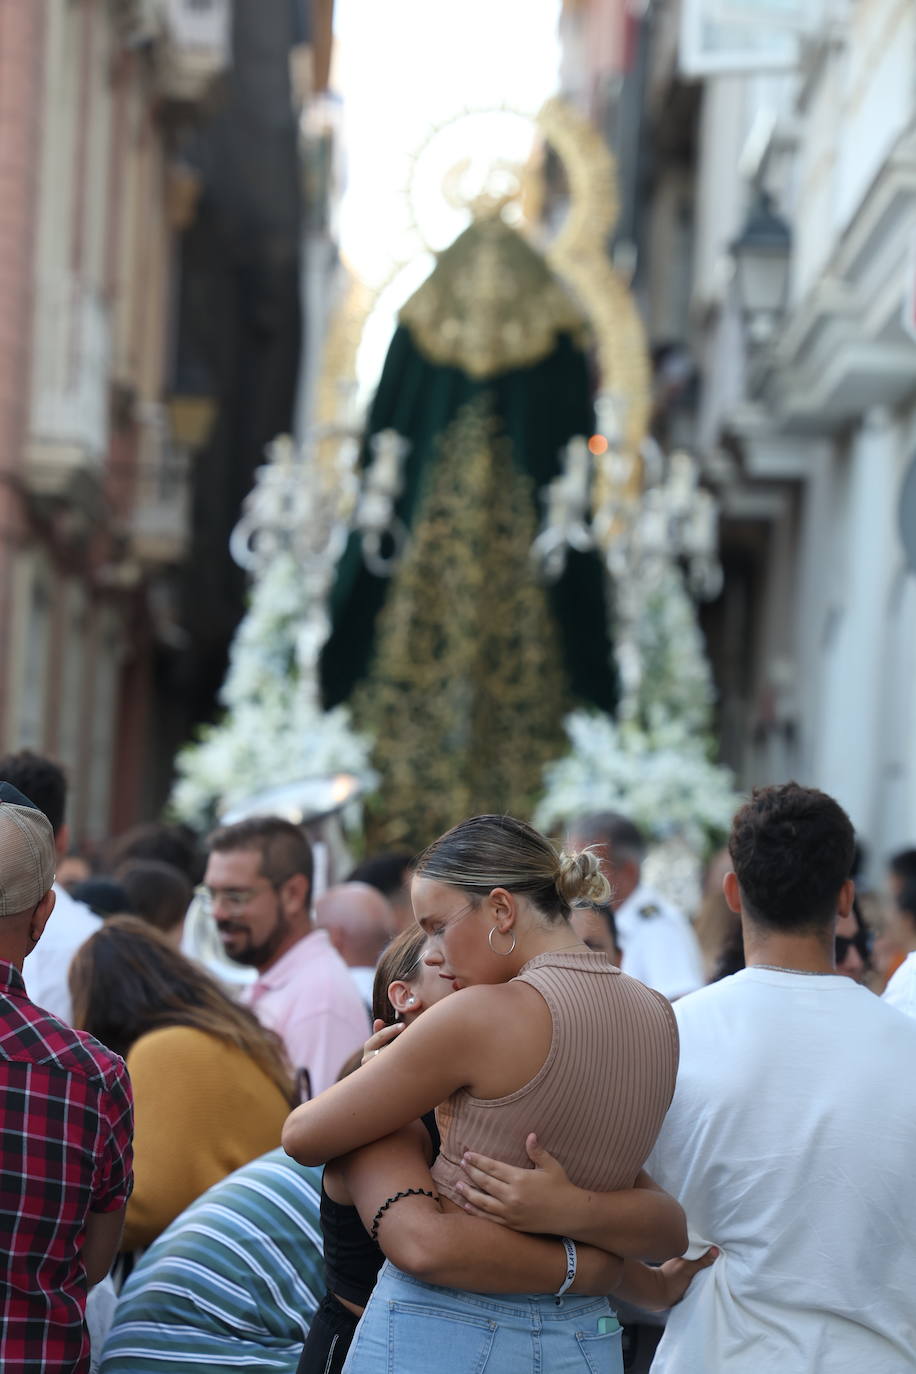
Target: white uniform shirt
901, 990
48, 964
658, 943
790, 1144
364, 978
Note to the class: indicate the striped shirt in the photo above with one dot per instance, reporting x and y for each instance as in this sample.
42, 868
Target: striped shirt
598, 1100
232, 1284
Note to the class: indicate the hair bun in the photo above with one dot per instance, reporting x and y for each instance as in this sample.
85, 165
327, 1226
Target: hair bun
580, 878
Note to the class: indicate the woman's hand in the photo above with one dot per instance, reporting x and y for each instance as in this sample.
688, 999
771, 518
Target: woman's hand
656, 1290
679, 1274
536, 1199
642, 1222
381, 1036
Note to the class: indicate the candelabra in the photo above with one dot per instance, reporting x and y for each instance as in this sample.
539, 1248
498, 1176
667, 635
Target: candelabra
300, 508
646, 514
375, 519
636, 509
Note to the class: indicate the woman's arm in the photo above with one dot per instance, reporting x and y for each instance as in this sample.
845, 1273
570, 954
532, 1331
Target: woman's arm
655, 1290
425, 1065
642, 1222
448, 1248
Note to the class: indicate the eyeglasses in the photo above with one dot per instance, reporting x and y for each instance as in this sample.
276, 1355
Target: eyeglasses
436, 928
860, 942
235, 900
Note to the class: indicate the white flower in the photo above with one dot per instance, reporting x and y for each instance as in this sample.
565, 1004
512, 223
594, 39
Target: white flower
273, 730
661, 777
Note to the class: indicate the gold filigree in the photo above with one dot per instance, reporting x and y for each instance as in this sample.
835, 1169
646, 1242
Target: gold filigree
338, 362
491, 304
579, 259
467, 689
579, 256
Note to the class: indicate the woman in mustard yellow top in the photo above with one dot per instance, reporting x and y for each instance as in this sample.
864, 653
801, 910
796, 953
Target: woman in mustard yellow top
211, 1085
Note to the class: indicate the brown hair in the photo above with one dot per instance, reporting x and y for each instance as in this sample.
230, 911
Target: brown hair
283, 847
400, 962
499, 851
157, 891
127, 980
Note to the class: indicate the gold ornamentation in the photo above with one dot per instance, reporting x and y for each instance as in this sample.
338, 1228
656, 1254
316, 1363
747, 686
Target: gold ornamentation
491, 304
467, 689
579, 256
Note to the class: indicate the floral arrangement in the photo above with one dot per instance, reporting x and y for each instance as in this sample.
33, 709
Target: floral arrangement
273, 730
660, 775
673, 680
655, 763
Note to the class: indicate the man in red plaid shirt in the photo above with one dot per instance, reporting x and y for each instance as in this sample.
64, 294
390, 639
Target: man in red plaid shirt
66, 1124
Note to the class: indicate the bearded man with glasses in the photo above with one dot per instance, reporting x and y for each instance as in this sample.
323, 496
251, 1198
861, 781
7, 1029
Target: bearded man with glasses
258, 886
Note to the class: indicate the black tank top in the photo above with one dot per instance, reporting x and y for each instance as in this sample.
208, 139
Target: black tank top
351, 1259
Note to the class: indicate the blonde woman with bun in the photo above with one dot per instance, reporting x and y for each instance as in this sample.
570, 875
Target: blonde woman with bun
547, 1037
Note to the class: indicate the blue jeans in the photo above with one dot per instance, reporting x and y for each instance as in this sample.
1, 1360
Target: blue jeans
412, 1327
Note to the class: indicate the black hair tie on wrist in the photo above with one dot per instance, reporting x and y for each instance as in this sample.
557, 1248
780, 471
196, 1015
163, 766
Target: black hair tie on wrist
408, 1192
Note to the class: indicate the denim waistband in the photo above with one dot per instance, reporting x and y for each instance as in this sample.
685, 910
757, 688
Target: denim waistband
547, 1306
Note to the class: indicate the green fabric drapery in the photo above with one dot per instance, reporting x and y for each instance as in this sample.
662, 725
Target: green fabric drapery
529, 412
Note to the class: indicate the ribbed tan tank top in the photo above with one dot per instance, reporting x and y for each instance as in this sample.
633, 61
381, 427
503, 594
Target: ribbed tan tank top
599, 1098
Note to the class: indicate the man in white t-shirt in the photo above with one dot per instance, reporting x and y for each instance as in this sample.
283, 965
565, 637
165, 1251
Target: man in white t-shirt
901, 989
791, 1137
657, 940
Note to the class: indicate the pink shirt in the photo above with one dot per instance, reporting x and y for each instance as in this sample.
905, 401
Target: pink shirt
310, 1000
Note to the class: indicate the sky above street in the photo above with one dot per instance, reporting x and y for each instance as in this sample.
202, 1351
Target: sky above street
407, 72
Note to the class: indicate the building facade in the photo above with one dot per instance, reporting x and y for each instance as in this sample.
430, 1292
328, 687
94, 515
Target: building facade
807, 428
94, 497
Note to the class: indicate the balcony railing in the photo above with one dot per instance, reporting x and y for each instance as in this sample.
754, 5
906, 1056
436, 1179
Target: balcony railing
190, 41
195, 46
136, 21
161, 512
71, 362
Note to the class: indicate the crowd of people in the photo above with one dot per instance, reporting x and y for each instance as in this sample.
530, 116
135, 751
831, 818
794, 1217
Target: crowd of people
498, 1106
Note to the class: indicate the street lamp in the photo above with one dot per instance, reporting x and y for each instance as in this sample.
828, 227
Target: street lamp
761, 257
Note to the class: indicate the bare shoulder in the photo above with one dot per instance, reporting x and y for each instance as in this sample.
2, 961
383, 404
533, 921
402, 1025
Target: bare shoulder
469, 1012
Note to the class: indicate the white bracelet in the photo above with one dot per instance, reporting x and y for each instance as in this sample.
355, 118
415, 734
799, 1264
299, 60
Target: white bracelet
571, 1261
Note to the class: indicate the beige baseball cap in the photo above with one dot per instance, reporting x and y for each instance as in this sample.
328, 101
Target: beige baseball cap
27, 853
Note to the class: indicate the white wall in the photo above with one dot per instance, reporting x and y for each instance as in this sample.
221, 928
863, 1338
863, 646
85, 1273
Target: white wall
863, 555
837, 593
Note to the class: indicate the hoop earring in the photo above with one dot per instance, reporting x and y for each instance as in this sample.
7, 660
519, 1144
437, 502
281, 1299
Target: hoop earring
505, 952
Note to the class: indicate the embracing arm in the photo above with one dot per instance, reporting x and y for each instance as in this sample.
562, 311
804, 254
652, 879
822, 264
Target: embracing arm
655, 1290
448, 1248
421, 1068
642, 1222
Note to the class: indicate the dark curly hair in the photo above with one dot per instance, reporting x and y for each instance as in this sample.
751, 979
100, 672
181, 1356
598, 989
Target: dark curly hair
792, 849
41, 780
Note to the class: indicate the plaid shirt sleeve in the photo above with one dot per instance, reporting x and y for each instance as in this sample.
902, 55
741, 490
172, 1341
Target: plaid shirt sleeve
114, 1177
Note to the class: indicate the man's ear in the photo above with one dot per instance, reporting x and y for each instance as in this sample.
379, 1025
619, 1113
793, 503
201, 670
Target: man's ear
846, 898
732, 892
294, 894
632, 869
40, 916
